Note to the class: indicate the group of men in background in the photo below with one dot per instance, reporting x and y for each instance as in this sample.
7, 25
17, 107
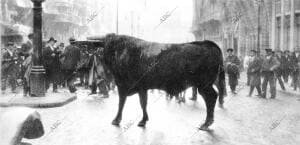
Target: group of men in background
63, 65
273, 67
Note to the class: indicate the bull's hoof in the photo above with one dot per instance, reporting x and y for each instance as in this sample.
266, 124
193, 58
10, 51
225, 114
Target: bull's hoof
142, 123
221, 106
204, 127
116, 122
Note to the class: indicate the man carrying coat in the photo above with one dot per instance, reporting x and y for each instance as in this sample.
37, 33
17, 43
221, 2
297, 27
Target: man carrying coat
232, 63
269, 65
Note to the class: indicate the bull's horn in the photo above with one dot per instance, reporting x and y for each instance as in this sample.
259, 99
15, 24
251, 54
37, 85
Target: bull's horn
95, 38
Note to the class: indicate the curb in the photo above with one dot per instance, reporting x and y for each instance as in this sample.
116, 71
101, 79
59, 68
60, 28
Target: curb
39, 104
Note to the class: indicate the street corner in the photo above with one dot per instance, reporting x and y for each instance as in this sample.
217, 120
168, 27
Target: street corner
50, 100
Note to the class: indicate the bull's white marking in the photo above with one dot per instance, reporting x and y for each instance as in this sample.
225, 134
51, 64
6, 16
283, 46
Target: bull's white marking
153, 49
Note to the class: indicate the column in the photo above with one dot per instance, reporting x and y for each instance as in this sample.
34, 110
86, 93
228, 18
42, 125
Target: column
292, 26
273, 31
282, 17
37, 75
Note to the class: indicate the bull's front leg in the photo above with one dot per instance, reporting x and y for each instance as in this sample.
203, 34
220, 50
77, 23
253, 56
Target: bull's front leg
143, 101
122, 100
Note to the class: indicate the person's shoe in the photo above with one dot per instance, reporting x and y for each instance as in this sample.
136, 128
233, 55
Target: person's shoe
105, 96
193, 99
273, 97
92, 93
14, 92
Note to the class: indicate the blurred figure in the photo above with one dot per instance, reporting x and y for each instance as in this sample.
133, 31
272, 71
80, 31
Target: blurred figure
9, 69
269, 64
254, 73
295, 61
51, 64
26, 51
281, 69
287, 72
71, 57
247, 60
232, 66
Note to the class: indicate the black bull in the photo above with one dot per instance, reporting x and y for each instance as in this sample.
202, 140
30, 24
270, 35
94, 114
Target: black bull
138, 65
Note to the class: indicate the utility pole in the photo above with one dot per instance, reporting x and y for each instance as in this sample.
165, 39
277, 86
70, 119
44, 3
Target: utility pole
37, 75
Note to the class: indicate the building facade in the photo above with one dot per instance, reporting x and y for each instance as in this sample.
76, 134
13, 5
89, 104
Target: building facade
248, 24
285, 25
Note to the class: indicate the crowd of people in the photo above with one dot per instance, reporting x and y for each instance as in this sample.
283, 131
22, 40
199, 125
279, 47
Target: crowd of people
63, 66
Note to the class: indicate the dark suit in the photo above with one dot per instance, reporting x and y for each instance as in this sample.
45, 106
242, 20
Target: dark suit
52, 66
9, 70
254, 73
269, 65
71, 57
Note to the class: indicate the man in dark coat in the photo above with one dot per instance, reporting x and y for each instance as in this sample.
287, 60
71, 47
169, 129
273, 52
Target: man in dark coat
288, 66
269, 65
232, 64
279, 72
9, 67
51, 64
71, 57
254, 69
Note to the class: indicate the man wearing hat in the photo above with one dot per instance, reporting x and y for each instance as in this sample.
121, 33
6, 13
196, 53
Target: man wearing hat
254, 69
269, 65
9, 67
71, 57
51, 64
232, 63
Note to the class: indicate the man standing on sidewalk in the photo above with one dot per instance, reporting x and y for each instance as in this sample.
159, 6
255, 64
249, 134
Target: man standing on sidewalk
232, 63
270, 63
9, 68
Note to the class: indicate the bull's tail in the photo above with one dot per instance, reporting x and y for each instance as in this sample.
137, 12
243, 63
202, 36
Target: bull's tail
221, 82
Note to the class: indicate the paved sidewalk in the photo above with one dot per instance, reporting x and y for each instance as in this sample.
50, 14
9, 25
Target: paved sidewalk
51, 99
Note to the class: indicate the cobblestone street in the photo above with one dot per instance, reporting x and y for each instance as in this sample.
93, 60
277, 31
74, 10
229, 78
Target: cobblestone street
244, 121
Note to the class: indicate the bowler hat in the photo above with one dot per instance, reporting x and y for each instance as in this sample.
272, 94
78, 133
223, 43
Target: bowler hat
229, 49
52, 39
253, 50
268, 50
72, 39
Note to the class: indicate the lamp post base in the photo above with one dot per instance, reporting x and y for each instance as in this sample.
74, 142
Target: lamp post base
37, 81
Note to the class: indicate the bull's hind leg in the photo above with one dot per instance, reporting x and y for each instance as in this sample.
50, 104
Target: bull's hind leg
122, 100
143, 101
210, 97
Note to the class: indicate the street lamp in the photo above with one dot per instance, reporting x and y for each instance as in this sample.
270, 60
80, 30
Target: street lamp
37, 75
